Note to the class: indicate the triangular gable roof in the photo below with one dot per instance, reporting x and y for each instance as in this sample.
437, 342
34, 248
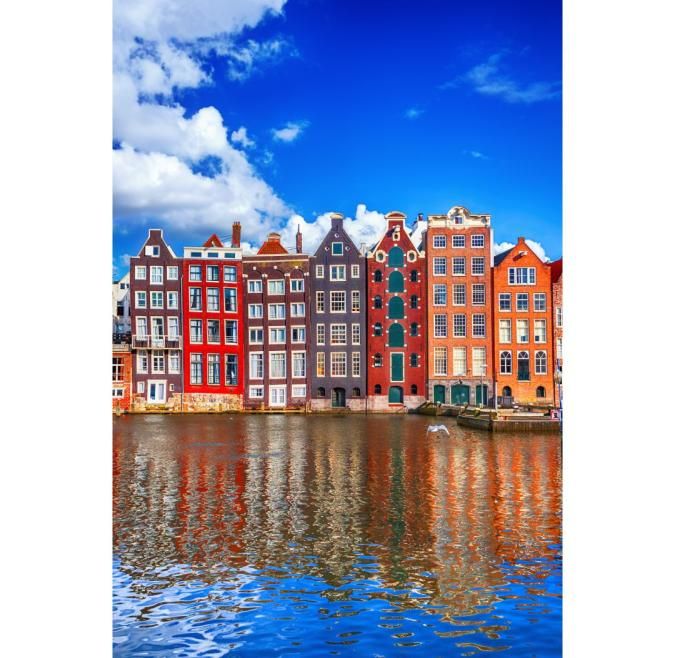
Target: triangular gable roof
500, 257
214, 241
328, 238
161, 236
272, 245
395, 215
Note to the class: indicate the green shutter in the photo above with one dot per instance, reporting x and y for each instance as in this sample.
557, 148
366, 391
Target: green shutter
395, 257
396, 335
395, 395
397, 367
395, 282
439, 393
395, 308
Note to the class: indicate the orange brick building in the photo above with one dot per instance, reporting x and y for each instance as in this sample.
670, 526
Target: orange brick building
557, 320
121, 376
523, 336
459, 313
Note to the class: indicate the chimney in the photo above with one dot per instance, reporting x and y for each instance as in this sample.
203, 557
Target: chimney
298, 241
336, 221
236, 234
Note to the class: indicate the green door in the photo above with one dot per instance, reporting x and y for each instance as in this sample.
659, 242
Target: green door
439, 393
459, 394
396, 338
481, 394
397, 367
395, 395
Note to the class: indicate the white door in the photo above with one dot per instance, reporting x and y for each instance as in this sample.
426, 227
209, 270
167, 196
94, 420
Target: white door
277, 396
158, 332
156, 392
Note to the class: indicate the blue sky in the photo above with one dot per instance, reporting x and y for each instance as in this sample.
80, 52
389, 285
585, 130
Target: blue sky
276, 113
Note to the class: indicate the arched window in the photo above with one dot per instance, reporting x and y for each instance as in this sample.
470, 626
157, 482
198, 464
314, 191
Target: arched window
413, 329
414, 276
378, 389
506, 392
395, 257
321, 392
377, 302
378, 275
377, 329
395, 309
540, 363
414, 360
413, 301
523, 366
395, 282
541, 392
356, 392
413, 389
505, 365
377, 360
396, 335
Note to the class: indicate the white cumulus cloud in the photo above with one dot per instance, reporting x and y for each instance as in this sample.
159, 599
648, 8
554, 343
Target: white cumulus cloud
290, 132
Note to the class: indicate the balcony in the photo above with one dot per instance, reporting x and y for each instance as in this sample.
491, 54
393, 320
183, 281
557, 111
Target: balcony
145, 342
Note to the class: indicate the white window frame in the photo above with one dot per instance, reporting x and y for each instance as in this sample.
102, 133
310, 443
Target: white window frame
259, 358
297, 285
334, 362
332, 248
277, 307
299, 391
356, 301
320, 333
475, 262
437, 289
271, 282
440, 359
475, 237
250, 335
142, 362
320, 363
298, 328
320, 301
438, 325
439, 242
455, 288
455, 372
474, 325
319, 271
296, 307
355, 271
356, 333
172, 300
303, 354
255, 286
519, 334
340, 327
254, 308
278, 389
461, 242
538, 297
269, 361
254, 390
505, 326
455, 326
334, 296
457, 260
138, 294
340, 273
140, 273
281, 330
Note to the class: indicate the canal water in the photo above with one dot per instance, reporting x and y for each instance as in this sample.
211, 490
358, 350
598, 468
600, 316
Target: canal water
273, 535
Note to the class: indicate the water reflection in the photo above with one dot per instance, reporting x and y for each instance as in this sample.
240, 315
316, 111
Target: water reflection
260, 535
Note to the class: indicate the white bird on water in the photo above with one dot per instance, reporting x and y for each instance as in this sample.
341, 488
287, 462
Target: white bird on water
437, 428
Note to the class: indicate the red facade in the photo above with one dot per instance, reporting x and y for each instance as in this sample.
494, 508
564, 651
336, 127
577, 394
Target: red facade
121, 377
397, 360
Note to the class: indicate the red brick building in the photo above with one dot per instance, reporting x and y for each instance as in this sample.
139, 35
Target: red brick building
121, 376
213, 325
396, 321
557, 321
523, 336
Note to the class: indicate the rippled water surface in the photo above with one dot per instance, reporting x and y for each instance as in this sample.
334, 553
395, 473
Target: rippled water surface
271, 535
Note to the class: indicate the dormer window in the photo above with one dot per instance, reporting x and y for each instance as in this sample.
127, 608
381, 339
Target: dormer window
458, 219
337, 248
152, 250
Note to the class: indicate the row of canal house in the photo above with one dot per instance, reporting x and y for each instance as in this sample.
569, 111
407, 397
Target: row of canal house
427, 314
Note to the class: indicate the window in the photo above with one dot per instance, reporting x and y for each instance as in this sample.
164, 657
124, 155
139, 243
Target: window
338, 334
505, 331
522, 276
377, 361
196, 368
231, 327
378, 389
396, 257
213, 369
320, 301
255, 285
504, 301
541, 392
414, 360
440, 361
276, 311
195, 273
212, 299
395, 308
355, 271
299, 364
414, 329
356, 301
414, 276
440, 294
440, 326
505, 367
356, 367
477, 241
174, 362
298, 335
377, 277
275, 287
336, 248
478, 294
377, 302
142, 362
142, 327
298, 310
558, 349
195, 331
230, 300
540, 363
140, 272
522, 331
395, 283
539, 299
156, 274
277, 396
255, 336
299, 391
356, 333
558, 316
318, 271
522, 301
172, 300
141, 299
459, 361
173, 328
478, 325
297, 285
458, 241
377, 329
440, 266
117, 369
320, 334
277, 365
540, 331
118, 392
338, 273
459, 325
172, 273
277, 335
213, 331
414, 301
439, 242
255, 310
229, 274
195, 299
459, 294
479, 361
256, 392
321, 364
140, 387
338, 364
478, 265
231, 370
212, 274
523, 366
321, 392
459, 266
338, 301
